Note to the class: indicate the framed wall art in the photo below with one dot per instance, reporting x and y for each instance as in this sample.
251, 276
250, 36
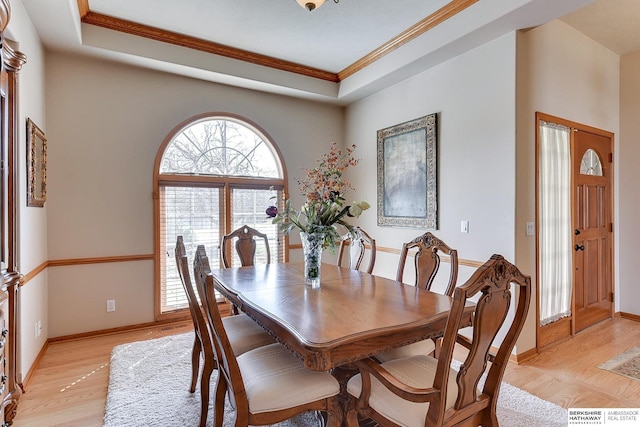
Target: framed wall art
36, 165
407, 174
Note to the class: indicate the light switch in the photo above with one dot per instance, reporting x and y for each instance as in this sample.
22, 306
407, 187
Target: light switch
464, 226
531, 229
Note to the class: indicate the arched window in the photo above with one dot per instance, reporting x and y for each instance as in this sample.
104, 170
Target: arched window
591, 164
213, 174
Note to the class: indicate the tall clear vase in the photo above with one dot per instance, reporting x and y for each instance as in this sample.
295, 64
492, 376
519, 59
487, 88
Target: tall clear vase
312, 252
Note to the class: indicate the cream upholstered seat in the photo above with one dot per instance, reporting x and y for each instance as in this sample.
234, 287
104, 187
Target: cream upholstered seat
415, 371
427, 264
424, 391
275, 380
244, 334
420, 347
357, 242
267, 384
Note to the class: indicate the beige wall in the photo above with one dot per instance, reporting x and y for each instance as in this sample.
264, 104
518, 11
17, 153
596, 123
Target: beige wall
101, 164
106, 122
563, 73
32, 221
629, 173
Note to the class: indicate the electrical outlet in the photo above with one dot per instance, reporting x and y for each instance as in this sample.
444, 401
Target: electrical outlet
111, 305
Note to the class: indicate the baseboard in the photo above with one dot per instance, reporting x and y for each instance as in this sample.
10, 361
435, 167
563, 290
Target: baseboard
629, 316
524, 356
141, 326
518, 358
117, 330
27, 378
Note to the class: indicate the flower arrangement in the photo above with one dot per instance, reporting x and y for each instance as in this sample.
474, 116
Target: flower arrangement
324, 210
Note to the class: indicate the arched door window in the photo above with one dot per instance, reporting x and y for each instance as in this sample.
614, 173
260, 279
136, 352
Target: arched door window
590, 163
214, 173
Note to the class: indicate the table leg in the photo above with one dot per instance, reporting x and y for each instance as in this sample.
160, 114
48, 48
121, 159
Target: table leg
343, 374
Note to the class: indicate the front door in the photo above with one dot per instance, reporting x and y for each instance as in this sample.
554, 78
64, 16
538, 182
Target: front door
592, 225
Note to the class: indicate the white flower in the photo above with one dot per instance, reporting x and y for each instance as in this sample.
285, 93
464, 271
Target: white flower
357, 207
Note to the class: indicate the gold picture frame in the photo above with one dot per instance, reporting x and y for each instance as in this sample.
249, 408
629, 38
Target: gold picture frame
407, 174
36, 165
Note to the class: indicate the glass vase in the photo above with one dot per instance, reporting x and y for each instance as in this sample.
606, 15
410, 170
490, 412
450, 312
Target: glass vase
312, 252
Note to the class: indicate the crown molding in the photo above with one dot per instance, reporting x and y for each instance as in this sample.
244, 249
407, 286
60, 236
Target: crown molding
446, 12
157, 34
436, 18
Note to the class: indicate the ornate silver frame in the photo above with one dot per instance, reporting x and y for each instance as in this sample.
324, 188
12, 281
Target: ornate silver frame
36, 165
407, 174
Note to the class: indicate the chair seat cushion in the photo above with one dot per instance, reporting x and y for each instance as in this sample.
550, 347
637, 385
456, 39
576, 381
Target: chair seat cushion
416, 371
423, 347
276, 379
245, 334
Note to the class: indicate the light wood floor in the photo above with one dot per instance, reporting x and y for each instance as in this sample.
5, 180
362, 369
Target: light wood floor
69, 386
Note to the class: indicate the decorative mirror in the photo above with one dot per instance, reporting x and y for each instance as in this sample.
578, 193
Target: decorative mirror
36, 165
407, 175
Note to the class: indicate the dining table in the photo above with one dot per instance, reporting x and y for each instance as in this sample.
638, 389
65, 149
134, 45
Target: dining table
352, 315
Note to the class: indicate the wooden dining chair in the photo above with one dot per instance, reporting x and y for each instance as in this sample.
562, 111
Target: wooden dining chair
244, 334
246, 247
267, 384
245, 244
355, 245
427, 264
386, 392
427, 261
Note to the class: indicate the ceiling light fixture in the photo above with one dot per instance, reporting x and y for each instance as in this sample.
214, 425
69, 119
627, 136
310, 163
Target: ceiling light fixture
313, 4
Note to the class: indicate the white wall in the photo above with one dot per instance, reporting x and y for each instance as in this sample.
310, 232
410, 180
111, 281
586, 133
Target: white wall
106, 122
474, 96
629, 173
32, 221
563, 73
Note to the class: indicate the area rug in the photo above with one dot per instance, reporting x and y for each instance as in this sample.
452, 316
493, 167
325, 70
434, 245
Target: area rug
149, 386
626, 364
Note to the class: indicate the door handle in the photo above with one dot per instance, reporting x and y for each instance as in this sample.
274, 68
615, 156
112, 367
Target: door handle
576, 232
579, 247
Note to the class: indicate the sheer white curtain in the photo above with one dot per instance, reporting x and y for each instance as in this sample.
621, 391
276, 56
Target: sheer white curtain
555, 278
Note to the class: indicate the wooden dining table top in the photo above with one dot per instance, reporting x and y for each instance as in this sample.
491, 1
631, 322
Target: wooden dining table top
351, 316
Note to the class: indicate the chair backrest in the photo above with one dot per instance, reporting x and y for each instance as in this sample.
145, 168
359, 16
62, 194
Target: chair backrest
245, 246
493, 280
228, 368
427, 261
197, 315
357, 242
